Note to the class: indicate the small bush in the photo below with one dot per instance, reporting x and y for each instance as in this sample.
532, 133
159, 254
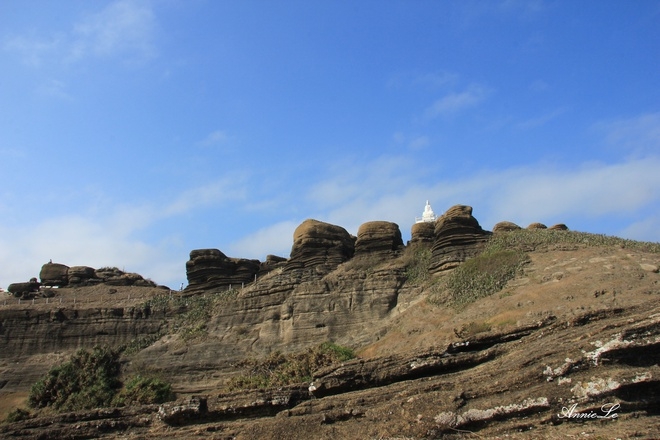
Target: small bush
144, 390
278, 369
17, 415
88, 380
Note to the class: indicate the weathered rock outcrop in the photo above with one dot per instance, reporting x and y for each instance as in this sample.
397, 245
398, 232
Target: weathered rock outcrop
378, 237
458, 237
320, 244
54, 274
61, 275
210, 269
20, 289
505, 227
559, 227
537, 225
423, 232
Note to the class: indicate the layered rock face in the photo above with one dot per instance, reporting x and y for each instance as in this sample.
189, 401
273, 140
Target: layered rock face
423, 232
210, 269
317, 243
378, 237
458, 237
61, 275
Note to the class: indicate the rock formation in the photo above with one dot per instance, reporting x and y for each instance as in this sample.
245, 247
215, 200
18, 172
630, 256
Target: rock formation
210, 269
537, 225
23, 289
319, 244
558, 227
378, 237
54, 274
505, 227
458, 237
422, 232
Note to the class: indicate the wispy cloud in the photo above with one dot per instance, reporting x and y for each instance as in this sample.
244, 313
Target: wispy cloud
123, 27
455, 102
540, 120
215, 138
640, 135
31, 49
110, 234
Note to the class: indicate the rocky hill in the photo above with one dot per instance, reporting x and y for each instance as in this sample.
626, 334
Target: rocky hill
460, 333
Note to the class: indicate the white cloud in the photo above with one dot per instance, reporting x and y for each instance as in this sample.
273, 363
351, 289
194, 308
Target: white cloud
455, 102
540, 120
214, 138
32, 50
640, 134
214, 193
124, 26
107, 236
276, 239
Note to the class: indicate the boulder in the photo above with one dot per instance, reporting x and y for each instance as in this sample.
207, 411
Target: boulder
316, 243
80, 274
505, 227
558, 227
537, 225
378, 237
54, 274
423, 232
211, 269
22, 289
458, 236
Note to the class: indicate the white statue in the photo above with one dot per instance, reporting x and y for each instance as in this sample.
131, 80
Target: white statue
428, 216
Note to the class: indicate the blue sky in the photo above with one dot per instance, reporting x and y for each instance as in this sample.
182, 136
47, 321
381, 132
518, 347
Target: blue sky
134, 131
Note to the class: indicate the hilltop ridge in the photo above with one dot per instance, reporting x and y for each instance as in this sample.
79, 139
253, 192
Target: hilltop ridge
459, 330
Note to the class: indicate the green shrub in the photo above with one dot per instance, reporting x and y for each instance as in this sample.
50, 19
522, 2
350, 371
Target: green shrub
17, 415
278, 369
144, 390
88, 380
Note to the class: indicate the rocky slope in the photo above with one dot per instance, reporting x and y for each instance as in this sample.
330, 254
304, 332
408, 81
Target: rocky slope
577, 331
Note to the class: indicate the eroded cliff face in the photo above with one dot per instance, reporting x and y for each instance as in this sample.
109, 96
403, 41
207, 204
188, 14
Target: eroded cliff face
578, 326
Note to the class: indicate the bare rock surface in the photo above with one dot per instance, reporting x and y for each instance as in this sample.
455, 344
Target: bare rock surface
317, 243
210, 269
378, 237
458, 236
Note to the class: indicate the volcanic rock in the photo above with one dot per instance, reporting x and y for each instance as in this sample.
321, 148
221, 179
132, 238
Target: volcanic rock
317, 243
211, 269
80, 274
18, 289
378, 237
458, 237
505, 227
422, 232
537, 226
54, 274
559, 227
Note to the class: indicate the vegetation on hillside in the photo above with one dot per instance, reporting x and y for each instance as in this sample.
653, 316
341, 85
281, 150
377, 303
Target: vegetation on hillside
503, 258
279, 369
193, 311
91, 379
